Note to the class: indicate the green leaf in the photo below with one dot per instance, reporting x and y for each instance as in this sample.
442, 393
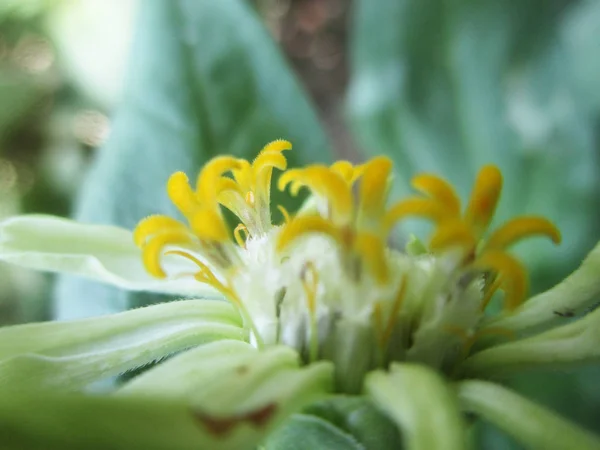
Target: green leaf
574, 296
99, 252
446, 87
573, 345
307, 432
71, 355
70, 422
229, 383
361, 420
421, 404
204, 78
530, 424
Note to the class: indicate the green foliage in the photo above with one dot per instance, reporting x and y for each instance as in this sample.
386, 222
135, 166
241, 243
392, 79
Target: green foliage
204, 79
450, 86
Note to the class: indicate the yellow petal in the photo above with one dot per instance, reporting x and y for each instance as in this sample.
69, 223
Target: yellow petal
225, 184
453, 233
520, 228
155, 224
277, 146
243, 175
371, 248
438, 189
206, 184
347, 171
151, 252
374, 186
181, 194
415, 207
512, 274
484, 198
325, 183
302, 225
208, 224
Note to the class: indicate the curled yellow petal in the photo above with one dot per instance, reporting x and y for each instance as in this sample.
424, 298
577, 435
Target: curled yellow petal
155, 224
374, 186
415, 207
225, 184
243, 175
512, 274
438, 189
302, 225
181, 194
208, 224
520, 228
371, 249
207, 181
453, 233
325, 183
278, 145
151, 251
484, 198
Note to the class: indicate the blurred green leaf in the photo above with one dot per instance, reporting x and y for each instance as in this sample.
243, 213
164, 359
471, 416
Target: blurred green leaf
19, 94
307, 432
205, 78
447, 87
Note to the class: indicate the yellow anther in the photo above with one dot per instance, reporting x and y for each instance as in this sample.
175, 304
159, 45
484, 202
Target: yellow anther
284, 212
278, 145
452, 234
249, 198
484, 198
181, 194
207, 181
512, 274
438, 189
324, 183
371, 249
208, 224
155, 224
374, 186
241, 241
151, 251
303, 225
522, 227
415, 207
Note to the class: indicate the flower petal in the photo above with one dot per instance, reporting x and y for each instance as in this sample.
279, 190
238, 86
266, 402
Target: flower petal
570, 345
421, 404
530, 424
102, 253
72, 422
70, 355
576, 295
231, 384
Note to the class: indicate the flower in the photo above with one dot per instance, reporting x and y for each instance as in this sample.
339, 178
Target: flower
320, 304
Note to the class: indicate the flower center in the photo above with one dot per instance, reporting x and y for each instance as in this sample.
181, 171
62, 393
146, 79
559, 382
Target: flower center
325, 282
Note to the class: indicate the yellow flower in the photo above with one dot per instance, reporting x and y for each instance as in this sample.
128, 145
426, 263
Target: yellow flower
330, 268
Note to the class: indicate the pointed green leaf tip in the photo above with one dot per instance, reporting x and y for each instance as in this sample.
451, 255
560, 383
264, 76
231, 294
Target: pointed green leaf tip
421, 403
530, 424
98, 252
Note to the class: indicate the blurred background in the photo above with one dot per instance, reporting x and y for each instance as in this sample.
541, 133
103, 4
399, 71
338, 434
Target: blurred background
442, 86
